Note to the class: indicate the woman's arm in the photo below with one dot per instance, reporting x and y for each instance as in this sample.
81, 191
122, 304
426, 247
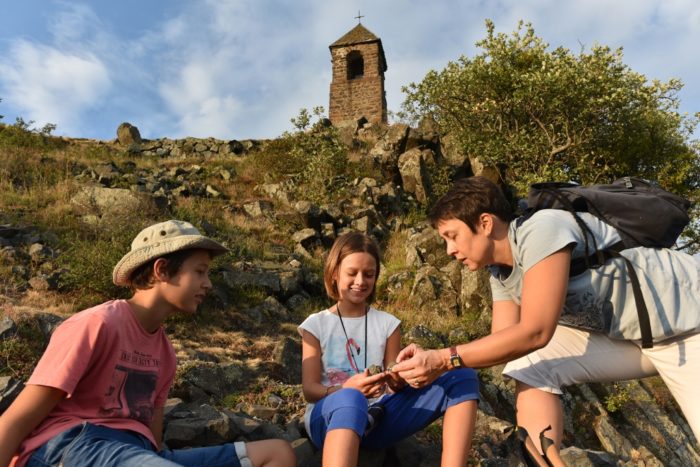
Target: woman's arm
543, 294
505, 313
26, 412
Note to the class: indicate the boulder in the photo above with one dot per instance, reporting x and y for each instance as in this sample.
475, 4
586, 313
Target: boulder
197, 425
245, 275
287, 354
110, 206
306, 237
413, 167
270, 310
128, 134
8, 328
205, 381
386, 151
9, 390
259, 208
432, 290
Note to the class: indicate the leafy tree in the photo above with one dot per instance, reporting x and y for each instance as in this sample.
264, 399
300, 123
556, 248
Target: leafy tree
554, 115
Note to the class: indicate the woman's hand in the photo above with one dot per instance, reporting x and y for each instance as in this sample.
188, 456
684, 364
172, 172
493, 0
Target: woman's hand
419, 367
407, 352
370, 386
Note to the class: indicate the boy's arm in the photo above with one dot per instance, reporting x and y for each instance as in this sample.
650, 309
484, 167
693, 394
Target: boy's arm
26, 412
157, 426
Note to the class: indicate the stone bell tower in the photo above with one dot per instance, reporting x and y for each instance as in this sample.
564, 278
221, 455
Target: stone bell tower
357, 88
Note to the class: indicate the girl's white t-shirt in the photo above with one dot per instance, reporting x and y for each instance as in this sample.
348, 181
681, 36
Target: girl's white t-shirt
341, 356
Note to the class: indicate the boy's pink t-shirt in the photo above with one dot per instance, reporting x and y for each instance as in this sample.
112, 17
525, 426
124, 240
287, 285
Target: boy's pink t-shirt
114, 374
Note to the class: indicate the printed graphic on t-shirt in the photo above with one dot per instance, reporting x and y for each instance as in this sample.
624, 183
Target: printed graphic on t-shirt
586, 310
342, 359
131, 393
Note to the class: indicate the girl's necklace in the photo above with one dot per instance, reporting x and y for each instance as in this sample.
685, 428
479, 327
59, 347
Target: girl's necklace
347, 340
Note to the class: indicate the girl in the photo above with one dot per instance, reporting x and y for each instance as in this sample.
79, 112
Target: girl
349, 406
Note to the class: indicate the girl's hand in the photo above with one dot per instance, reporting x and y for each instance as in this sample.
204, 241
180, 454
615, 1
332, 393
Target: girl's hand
394, 381
370, 386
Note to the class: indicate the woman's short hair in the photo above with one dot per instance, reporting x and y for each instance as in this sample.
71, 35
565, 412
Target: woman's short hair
467, 199
345, 245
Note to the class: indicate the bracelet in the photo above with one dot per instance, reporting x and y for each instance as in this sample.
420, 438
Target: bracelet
328, 388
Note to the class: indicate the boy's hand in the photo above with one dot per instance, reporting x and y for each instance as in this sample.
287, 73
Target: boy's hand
370, 386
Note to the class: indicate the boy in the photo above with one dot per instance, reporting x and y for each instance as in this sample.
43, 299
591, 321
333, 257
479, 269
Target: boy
96, 396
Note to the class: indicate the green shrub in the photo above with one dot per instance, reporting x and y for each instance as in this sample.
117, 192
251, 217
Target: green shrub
312, 156
617, 399
22, 134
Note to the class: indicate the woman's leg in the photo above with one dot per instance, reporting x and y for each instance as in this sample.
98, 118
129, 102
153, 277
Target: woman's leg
573, 356
536, 410
678, 363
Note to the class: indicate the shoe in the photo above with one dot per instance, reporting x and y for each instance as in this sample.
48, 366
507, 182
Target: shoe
375, 412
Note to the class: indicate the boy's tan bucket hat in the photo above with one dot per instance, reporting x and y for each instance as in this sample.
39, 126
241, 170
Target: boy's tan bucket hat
158, 240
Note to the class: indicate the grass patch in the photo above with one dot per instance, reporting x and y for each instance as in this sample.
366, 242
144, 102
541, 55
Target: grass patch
20, 353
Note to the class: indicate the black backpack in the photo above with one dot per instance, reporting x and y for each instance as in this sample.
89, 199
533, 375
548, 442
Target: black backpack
643, 214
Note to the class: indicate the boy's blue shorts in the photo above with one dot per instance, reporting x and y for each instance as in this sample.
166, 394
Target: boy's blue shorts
88, 444
405, 412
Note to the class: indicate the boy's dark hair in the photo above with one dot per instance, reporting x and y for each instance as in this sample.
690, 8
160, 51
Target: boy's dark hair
345, 245
467, 199
142, 277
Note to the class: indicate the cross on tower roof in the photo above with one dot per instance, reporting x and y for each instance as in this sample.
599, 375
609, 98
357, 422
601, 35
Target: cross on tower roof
359, 17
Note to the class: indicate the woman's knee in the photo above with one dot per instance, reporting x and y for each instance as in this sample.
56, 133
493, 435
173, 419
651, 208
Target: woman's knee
459, 381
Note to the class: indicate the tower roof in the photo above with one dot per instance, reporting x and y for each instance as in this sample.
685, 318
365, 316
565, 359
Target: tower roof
356, 35
360, 35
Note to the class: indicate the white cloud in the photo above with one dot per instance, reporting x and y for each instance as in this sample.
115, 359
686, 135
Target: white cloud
243, 68
52, 86
244, 72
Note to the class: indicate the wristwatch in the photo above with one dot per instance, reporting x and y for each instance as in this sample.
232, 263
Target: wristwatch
455, 361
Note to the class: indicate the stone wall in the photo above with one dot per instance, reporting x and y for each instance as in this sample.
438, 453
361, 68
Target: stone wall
359, 97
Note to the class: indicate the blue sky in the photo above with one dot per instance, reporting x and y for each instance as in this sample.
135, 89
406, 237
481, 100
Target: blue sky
237, 69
